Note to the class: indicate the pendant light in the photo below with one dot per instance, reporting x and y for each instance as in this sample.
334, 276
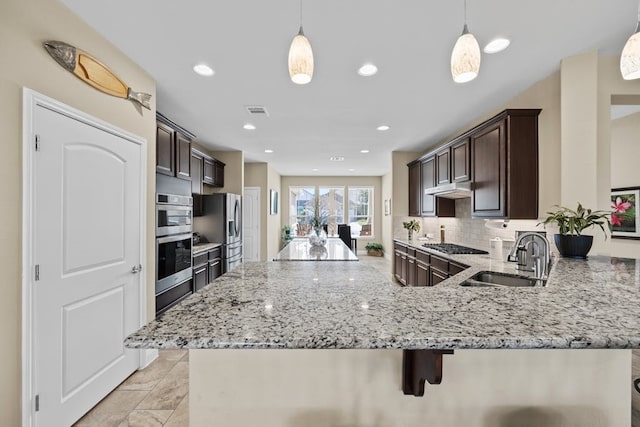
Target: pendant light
630, 57
300, 57
465, 58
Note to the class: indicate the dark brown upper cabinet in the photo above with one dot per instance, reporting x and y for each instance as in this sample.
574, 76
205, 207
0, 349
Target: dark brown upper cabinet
165, 149
218, 173
197, 162
205, 170
183, 161
460, 161
173, 149
443, 175
208, 173
428, 172
499, 157
504, 155
414, 189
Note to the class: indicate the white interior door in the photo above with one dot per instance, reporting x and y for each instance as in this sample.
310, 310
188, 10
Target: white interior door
251, 221
86, 204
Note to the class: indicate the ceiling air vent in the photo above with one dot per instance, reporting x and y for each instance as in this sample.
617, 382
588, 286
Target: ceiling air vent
337, 158
256, 110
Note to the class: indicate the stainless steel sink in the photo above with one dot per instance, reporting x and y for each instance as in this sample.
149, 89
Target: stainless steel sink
491, 278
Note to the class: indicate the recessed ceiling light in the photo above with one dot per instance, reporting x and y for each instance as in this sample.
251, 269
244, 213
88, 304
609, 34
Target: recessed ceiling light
268, 151
337, 158
364, 151
367, 70
315, 169
352, 170
497, 45
249, 126
382, 128
203, 70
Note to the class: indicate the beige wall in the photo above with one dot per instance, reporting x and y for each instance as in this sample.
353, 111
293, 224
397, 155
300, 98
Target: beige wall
625, 152
400, 181
610, 84
387, 222
24, 25
274, 182
233, 171
263, 176
372, 181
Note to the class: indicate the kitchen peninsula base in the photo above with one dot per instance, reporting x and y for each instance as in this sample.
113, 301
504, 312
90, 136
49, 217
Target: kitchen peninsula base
363, 388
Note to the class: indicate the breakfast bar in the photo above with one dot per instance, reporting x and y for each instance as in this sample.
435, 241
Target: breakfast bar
312, 309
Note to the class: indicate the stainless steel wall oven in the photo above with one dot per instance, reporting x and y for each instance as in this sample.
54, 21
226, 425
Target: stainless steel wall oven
174, 214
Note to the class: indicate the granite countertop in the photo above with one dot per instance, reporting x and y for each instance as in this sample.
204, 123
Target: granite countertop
202, 247
586, 304
299, 249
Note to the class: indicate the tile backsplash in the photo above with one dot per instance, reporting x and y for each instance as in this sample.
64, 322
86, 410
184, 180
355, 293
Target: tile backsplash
465, 230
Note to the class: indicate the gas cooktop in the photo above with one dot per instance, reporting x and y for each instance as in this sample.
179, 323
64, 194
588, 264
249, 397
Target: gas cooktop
452, 249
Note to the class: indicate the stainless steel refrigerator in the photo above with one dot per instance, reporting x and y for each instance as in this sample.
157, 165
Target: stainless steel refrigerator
221, 222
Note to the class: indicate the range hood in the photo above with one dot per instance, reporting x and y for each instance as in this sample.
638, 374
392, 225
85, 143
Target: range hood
455, 190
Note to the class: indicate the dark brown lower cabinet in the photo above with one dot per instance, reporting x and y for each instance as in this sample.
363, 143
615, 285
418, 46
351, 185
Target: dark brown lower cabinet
437, 276
422, 274
200, 279
411, 271
397, 265
414, 267
215, 269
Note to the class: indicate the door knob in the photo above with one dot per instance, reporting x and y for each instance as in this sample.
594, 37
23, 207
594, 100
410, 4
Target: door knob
136, 269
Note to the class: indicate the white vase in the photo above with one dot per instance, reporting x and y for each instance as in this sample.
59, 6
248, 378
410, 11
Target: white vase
318, 237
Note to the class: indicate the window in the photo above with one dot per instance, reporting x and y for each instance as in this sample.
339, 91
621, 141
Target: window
301, 201
334, 208
331, 201
361, 211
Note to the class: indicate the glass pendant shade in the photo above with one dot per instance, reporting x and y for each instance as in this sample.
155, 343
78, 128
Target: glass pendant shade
630, 58
300, 59
465, 58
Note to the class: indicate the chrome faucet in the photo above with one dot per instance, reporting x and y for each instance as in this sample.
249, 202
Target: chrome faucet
532, 255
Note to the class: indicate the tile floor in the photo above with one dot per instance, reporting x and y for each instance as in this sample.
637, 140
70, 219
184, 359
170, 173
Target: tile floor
154, 396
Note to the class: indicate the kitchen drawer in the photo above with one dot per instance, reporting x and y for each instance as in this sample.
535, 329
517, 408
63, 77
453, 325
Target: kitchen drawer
439, 263
456, 268
200, 259
215, 269
411, 252
200, 279
400, 247
437, 277
423, 257
215, 253
172, 296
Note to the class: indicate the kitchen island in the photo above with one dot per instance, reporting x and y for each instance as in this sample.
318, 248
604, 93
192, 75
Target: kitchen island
299, 249
592, 304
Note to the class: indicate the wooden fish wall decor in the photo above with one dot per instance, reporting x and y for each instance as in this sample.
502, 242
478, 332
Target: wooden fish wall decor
93, 72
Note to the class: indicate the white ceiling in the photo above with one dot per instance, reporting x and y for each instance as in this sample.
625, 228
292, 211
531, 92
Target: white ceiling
247, 42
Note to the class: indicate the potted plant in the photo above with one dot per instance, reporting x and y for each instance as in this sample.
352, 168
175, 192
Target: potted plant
374, 249
570, 242
411, 226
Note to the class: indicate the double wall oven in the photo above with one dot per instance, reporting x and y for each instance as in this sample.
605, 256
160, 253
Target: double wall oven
174, 214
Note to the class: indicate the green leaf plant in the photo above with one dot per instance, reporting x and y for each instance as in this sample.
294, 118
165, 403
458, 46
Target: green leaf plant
573, 222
